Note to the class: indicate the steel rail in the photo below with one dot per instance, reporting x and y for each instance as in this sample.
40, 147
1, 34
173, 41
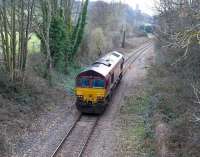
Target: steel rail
88, 139
138, 50
132, 58
66, 136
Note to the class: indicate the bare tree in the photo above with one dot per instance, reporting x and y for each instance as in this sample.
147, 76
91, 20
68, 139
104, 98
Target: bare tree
15, 18
179, 28
42, 27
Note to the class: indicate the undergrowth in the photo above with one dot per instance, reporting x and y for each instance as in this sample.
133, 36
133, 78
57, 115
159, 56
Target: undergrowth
21, 104
67, 81
173, 105
62, 80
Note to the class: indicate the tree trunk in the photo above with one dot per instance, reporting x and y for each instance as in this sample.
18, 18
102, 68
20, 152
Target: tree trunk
47, 15
124, 39
13, 39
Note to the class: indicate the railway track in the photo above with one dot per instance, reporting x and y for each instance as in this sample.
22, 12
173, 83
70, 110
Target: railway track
76, 139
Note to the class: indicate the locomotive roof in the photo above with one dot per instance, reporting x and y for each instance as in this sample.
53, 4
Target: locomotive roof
105, 64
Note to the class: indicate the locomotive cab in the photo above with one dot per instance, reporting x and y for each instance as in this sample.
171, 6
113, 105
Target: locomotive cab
90, 92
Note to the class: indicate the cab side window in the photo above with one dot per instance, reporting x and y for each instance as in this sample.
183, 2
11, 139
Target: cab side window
112, 78
122, 66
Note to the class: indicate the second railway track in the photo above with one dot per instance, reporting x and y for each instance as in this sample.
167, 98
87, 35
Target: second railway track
78, 136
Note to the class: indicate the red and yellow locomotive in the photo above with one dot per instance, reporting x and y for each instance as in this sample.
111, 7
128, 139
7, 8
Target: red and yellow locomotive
95, 85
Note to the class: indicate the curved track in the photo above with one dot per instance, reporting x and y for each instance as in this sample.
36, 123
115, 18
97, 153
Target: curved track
78, 136
135, 55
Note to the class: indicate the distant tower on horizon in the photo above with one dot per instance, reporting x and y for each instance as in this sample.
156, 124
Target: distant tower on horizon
137, 15
137, 7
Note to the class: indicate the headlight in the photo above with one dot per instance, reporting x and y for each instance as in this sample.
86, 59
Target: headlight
100, 98
80, 97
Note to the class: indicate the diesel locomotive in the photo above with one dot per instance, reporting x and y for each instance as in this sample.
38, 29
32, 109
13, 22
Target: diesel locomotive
95, 85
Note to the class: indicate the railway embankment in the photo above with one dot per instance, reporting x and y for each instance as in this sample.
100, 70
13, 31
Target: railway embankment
160, 116
171, 125
176, 104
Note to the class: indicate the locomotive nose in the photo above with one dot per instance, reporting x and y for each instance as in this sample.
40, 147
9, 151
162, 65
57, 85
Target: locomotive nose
90, 98
90, 94
95, 98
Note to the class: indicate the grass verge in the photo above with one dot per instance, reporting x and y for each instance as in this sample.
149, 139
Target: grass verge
137, 132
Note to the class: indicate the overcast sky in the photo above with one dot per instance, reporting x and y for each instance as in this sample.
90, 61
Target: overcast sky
146, 6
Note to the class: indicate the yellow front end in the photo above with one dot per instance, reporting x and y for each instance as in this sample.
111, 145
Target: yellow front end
93, 95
